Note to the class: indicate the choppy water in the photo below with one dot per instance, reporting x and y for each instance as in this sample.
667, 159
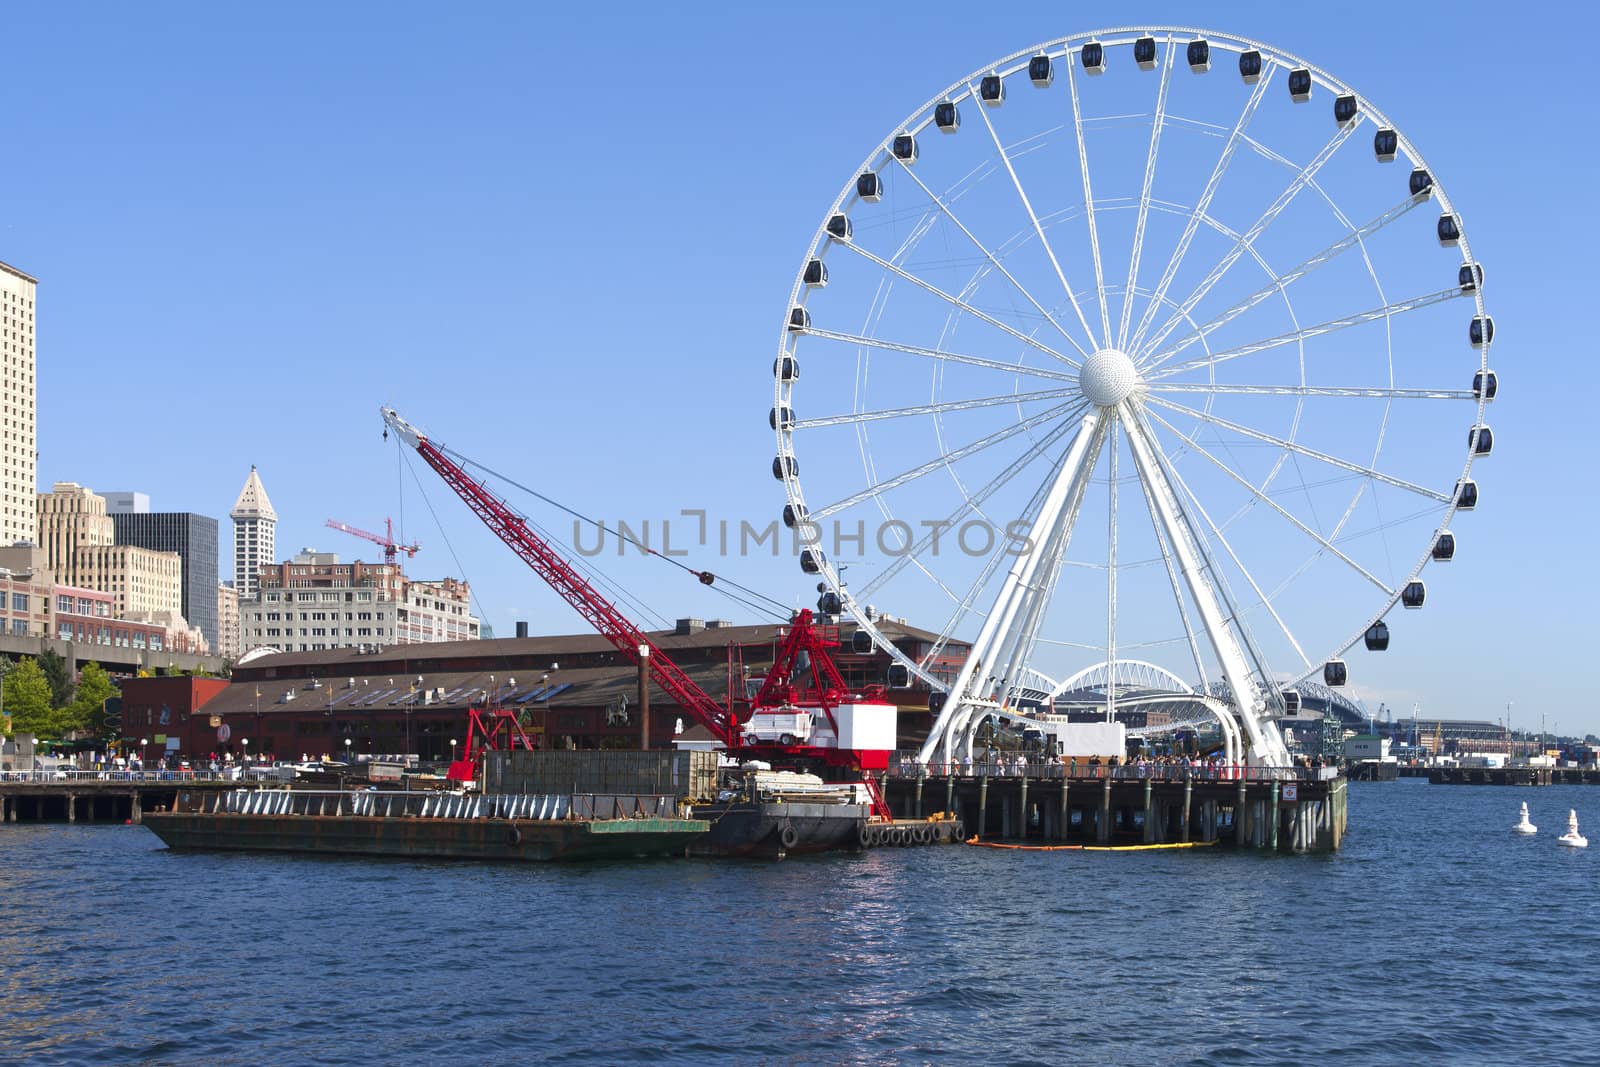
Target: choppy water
1435, 936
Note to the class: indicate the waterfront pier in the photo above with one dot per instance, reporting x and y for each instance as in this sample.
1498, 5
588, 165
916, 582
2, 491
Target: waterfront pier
1282, 809
86, 798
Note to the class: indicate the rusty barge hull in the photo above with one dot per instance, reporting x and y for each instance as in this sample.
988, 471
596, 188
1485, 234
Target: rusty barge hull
537, 841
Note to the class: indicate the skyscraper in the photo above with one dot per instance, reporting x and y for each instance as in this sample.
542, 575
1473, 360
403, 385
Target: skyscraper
19, 457
194, 539
254, 535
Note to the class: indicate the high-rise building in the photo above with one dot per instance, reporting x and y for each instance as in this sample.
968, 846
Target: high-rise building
254, 536
194, 539
19, 460
228, 646
126, 502
80, 547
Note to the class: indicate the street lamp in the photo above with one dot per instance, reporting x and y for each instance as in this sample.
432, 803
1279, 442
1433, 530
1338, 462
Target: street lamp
347, 751
245, 744
452, 750
143, 741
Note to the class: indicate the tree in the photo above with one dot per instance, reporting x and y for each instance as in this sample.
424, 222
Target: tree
28, 700
59, 675
94, 689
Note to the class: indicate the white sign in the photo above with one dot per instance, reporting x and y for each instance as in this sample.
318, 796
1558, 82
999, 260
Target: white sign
1291, 793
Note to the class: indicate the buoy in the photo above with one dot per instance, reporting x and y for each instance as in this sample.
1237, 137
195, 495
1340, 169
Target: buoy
1573, 839
1523, 825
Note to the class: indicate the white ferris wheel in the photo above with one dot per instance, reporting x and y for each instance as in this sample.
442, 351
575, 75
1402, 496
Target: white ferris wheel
1149, 345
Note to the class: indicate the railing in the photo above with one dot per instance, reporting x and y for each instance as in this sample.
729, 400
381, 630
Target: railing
66, 775
1083, 770
428, 805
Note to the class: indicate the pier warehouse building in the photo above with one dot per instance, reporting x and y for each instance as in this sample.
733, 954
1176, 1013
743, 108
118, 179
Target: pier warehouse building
571, 691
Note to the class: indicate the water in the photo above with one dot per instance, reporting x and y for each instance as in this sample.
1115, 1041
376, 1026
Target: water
1436, 935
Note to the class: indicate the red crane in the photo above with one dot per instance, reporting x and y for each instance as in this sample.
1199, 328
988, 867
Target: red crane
390, 545
627, 638
854, 730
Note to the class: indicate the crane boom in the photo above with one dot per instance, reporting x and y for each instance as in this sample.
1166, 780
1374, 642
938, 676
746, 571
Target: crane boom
627, 638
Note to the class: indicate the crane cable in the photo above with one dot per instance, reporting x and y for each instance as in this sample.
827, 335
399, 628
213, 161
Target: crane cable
593, 574
777, 608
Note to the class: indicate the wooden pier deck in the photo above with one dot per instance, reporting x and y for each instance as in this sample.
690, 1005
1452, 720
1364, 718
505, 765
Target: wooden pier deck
1292, 809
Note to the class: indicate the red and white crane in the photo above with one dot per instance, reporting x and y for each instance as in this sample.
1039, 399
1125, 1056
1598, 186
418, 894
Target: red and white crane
803, 711
386, 539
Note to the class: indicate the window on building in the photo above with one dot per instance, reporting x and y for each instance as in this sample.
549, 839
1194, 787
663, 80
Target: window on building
19, 626
19, 602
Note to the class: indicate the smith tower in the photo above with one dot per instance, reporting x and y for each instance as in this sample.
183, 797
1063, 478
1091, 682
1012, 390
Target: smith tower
254, 535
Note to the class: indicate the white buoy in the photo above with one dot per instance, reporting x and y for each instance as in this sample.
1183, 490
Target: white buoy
1523, 825
1573, 839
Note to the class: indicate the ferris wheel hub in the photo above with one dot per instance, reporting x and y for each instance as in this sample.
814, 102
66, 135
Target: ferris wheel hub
1107, 378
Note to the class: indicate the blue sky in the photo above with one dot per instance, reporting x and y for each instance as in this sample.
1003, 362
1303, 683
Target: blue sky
563, 242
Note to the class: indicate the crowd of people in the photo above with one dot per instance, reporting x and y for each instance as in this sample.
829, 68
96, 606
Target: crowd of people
995, 764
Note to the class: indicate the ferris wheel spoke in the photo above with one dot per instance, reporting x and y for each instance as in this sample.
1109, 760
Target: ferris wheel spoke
1158, 123
1088, 197
1158, 370
986, 574
953, 456
1311, 390
1033, 217
934, 353
1192, 224
957, 302
1289, 516
993, 260
1299, 449
1278, 284
971, 504
933, 409
1227, 546
1248, 238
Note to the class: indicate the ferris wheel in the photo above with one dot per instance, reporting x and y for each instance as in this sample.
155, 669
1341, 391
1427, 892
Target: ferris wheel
1149, 344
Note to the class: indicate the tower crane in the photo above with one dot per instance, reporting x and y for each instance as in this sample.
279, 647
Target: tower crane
386, 539
803, 712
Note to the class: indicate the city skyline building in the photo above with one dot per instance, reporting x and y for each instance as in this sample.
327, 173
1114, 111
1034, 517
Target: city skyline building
194, 538
126, 502
254, 536
227, 646
314, 602
78, 541
20, 459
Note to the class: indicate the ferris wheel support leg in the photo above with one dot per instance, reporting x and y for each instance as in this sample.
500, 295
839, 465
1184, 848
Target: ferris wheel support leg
1065, 494
1266, 746
1021, 630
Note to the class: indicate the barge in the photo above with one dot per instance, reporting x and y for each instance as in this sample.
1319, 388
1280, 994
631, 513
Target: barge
428, 825
767, 813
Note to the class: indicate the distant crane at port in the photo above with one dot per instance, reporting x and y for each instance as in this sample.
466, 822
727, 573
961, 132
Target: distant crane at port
386, 539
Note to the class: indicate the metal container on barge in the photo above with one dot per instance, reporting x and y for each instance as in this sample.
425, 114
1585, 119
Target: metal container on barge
752, 810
